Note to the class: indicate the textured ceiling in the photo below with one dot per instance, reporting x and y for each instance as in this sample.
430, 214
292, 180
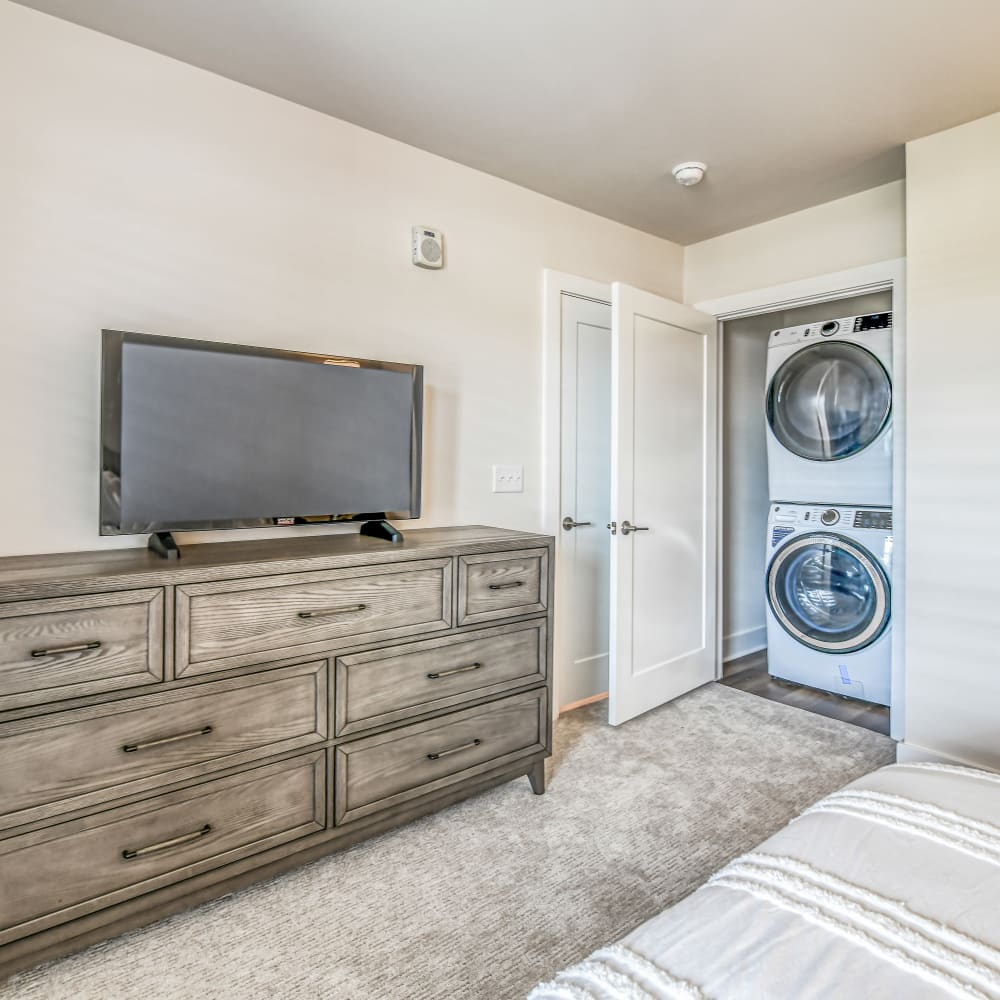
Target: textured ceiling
791, 102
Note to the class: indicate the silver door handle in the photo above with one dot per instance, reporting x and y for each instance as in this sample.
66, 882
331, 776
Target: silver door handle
629, 528
569, 524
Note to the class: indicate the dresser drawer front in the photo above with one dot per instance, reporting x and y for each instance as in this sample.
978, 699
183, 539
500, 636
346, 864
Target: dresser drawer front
389, 769
235, 623
51, 650
502, 585
70, 760
388, 685
53, 875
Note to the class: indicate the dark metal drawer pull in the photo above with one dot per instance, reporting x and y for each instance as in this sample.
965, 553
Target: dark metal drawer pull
80, 647
506, 586
454, 670
446, 753
324, 612
165, 845
132, 747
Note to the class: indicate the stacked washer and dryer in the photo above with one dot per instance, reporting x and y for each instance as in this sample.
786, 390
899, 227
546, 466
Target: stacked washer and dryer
829, 532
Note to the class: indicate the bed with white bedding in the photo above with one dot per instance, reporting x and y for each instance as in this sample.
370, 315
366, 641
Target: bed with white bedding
889, 888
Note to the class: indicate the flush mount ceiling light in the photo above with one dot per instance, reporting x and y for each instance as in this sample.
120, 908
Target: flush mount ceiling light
689, 174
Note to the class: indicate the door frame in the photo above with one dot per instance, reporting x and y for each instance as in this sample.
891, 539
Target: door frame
888, 275
556, 284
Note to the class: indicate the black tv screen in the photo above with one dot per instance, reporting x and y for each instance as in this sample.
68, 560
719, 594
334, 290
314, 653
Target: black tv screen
206, 435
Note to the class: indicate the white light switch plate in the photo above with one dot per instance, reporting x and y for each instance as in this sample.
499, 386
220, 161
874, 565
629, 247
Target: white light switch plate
508, 478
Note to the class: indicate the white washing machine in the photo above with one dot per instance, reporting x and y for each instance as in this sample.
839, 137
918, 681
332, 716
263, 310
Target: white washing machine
829, 598
829, 411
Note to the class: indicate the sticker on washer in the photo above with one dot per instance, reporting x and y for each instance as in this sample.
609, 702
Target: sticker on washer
778, 534
845, 677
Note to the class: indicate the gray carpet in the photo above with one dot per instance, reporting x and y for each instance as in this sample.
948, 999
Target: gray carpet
487, 897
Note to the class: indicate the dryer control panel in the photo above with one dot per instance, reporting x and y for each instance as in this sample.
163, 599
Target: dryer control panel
876, 321
844, 326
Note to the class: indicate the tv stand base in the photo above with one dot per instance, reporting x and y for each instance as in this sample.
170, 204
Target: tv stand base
163, 544
382, 529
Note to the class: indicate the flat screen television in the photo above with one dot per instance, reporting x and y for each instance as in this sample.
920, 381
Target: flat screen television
199, 435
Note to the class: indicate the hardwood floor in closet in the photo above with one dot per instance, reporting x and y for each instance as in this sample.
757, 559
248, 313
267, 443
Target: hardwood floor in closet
749, 673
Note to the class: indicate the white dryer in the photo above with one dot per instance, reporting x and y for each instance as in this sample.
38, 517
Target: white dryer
829, 411
829, 598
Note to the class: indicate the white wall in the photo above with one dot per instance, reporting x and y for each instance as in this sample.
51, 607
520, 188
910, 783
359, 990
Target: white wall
861, 229
139, 193
952, 470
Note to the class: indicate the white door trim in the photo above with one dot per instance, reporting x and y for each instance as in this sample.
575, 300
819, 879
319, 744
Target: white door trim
806, 291
885, 275
556, 284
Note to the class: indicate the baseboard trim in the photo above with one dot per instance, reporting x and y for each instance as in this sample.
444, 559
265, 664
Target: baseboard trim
743, 643
910, 753
582, 702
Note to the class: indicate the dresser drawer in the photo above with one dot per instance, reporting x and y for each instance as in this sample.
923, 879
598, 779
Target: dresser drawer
234, 623
57, 873
72, 646
383, 771
502, 584
68, 760
388, 685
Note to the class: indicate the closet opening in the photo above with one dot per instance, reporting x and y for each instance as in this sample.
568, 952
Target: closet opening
807, 407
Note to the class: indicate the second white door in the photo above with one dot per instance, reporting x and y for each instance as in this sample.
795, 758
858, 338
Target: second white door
584, 549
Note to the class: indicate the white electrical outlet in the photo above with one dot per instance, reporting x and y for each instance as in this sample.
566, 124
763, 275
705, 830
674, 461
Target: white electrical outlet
508, 478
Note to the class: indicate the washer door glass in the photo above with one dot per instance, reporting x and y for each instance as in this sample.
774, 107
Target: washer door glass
829, 401
828, 593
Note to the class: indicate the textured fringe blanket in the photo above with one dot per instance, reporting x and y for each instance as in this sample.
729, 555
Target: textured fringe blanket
888, 888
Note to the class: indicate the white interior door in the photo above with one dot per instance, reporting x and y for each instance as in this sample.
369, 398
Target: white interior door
585, 490
664, 475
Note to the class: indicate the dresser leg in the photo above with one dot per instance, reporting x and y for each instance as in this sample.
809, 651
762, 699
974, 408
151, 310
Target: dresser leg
537, 777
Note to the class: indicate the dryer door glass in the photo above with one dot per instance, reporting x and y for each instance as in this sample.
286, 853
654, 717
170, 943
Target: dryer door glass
829, 402
828, 593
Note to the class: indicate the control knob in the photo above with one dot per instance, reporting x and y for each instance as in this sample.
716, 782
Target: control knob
830, 516
829, 329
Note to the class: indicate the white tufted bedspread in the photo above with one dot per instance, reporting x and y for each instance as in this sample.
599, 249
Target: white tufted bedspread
889, 888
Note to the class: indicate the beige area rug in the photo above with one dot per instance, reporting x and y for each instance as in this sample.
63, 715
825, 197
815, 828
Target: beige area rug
487, 897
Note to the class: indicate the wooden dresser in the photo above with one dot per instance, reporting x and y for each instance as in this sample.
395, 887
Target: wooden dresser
171, 731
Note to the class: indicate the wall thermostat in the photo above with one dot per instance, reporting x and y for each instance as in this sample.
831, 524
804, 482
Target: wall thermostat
428, 247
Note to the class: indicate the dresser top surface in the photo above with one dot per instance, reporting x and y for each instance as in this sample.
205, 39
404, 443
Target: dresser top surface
25, 577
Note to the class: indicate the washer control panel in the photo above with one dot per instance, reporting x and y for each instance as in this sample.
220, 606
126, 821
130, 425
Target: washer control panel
878, 519
788, 517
